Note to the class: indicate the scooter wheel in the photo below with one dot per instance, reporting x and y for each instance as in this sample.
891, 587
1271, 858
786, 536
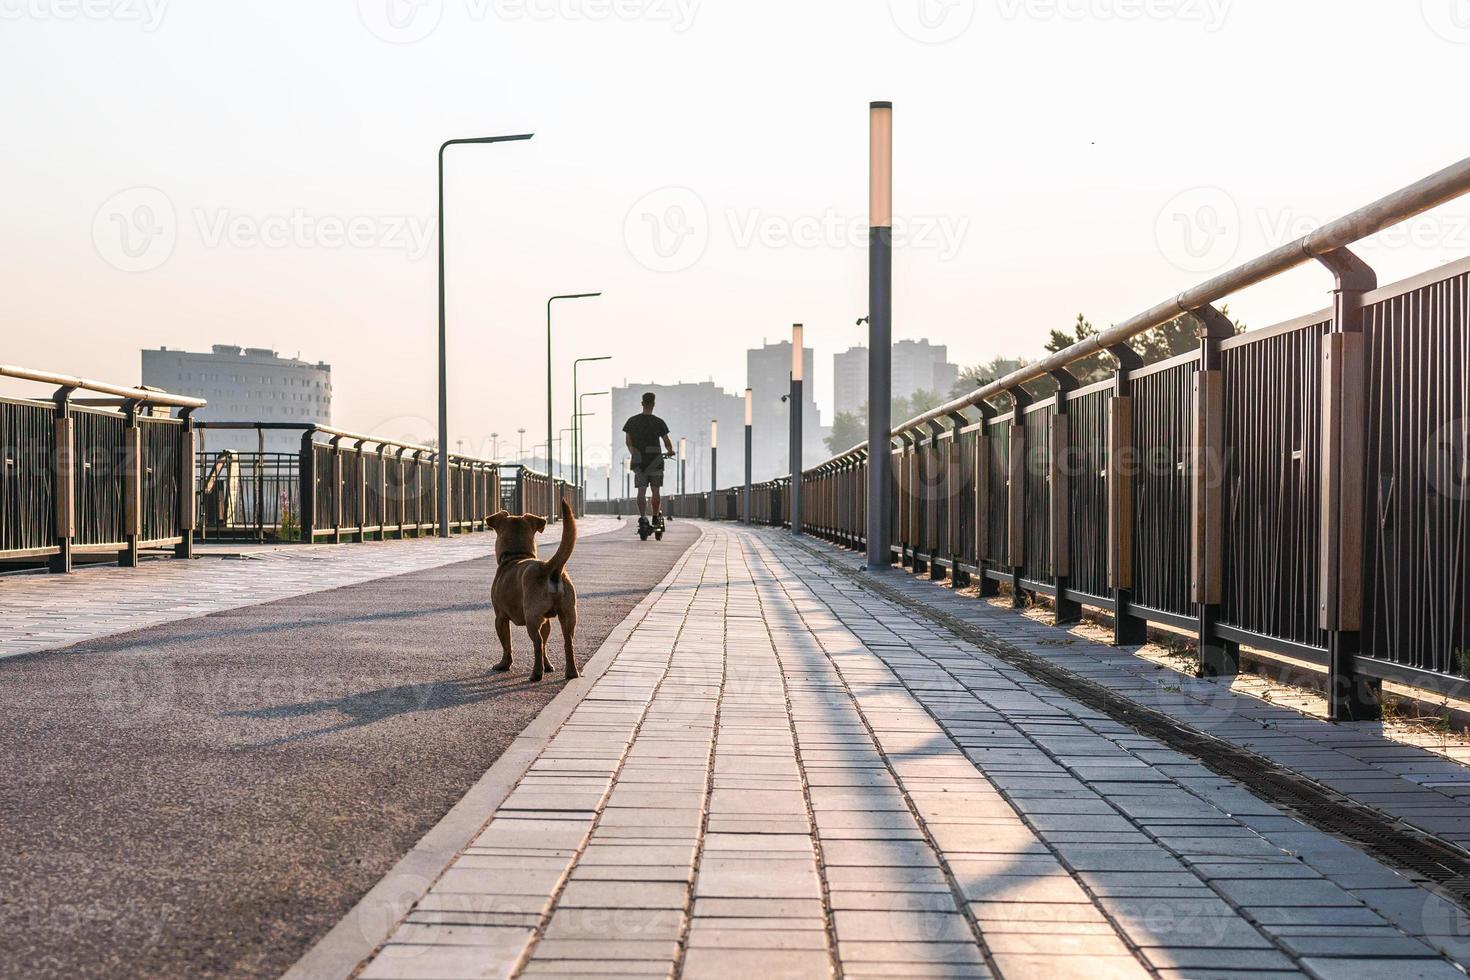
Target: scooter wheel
658, 535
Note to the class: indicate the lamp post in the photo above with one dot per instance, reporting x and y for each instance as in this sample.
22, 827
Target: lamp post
579, 458
683, 461
551, 492
443, 355
561, 467
749, 446
521, 447
495, 446
577, 474
714, 464
798, 365
880, 333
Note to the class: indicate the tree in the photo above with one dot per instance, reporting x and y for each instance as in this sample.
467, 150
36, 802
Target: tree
848, 430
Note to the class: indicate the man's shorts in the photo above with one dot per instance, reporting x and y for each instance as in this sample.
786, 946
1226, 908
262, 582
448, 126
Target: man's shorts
649, 473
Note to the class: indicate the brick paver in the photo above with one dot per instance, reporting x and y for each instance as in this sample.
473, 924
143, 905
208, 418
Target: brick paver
783, 774
42, 612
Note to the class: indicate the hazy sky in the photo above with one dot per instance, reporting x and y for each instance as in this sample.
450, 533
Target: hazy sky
188, 172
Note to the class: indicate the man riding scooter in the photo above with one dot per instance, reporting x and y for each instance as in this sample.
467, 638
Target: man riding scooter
642, 434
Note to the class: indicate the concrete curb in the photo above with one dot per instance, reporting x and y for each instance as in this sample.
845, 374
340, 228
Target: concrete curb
359, 933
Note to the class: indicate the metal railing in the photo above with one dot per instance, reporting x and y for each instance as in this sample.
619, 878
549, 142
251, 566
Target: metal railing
342, 486
94, 476
1302, 489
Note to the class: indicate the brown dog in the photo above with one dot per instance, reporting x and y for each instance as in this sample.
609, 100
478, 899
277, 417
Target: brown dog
530, 592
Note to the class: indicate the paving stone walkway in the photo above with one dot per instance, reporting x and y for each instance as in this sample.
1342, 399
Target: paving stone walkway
781, 774
42, 612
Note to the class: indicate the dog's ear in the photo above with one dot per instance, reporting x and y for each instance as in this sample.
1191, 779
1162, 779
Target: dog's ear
539, 523
497, 519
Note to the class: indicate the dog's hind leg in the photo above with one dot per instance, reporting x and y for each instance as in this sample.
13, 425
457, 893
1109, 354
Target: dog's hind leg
538, 633
568, 618
545, 643
502, 630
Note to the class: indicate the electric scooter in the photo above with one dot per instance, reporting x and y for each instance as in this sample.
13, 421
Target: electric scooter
654, 527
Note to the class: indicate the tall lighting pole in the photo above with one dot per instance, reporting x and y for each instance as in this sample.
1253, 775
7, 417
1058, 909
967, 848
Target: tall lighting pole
683, 463
580, 460
749, 446
798, 365
521, 447
551, 487
714, 465
443, 356
880, 332
577, 407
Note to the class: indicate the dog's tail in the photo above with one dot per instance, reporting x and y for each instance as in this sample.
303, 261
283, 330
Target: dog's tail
564, 549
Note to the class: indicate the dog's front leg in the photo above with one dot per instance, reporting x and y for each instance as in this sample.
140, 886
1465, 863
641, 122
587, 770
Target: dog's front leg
502, 630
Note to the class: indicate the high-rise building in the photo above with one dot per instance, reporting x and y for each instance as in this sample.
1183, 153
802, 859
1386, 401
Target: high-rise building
252, 384
768, 373
917, 366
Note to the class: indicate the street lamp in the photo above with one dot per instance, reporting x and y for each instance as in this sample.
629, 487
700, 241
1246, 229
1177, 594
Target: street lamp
798, 364
495, 446
551, 504
880, 332
577, 475
560, 466
576, 437
521, 447
443, 355
749, 417
579, 454
714, 466
683, 461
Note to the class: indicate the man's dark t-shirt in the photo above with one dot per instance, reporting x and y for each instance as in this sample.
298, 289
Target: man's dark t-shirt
646, 432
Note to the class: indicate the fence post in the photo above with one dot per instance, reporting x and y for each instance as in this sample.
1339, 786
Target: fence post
954, 484
988, 586
306, 475
934, 469
1016, 495
188, 503
1059, 455
64, 478
1128, 629
1351, 696
1217, 657
337, 487
132, 491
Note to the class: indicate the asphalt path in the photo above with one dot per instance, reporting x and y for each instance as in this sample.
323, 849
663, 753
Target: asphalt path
209, 797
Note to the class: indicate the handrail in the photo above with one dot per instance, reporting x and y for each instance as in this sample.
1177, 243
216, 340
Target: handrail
332, 433
144, 396
1401, 205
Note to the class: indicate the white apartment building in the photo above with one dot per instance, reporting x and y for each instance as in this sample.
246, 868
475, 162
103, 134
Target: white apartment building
250, 384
